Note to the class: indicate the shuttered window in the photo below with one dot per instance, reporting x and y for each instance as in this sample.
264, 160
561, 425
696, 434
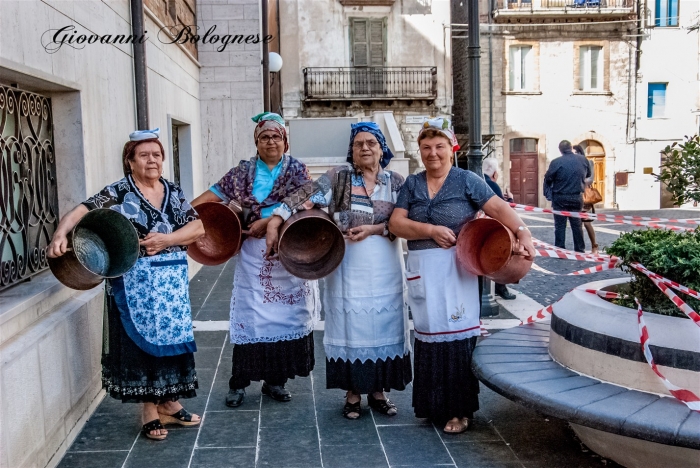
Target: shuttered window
368, 43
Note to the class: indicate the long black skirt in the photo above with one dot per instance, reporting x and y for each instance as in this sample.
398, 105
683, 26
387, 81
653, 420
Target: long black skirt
444, 386
272, 362
369, 376
131, 375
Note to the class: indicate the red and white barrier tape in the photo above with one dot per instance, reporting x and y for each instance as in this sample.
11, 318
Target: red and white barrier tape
603, 294
547, 311
691, 400
608, 218
661, 283
557, 252
484, 332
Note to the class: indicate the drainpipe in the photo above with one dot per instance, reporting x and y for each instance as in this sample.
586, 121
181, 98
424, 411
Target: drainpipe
491, 130
265, 57
474, 155
140, 72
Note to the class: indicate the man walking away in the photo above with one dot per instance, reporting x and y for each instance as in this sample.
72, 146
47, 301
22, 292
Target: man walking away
490, 169
566, 176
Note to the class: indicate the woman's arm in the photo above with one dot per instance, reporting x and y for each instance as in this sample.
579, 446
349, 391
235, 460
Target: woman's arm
401, 226
207, 196
499, 210
154, 242
59, 242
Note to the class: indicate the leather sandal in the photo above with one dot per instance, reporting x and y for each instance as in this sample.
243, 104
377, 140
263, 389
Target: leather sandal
182, 417
382, 406
352, 408
462, 427
153, 426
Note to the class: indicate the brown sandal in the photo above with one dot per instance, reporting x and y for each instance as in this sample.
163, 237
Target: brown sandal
463, 422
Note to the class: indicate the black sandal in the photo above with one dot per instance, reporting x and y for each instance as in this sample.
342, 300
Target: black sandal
182, 417
352, 408
153, 426
383, 406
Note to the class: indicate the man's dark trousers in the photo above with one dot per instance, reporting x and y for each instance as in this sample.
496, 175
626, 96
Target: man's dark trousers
572, 202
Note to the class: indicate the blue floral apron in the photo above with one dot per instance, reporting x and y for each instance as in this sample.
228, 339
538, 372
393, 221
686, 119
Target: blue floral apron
154, 304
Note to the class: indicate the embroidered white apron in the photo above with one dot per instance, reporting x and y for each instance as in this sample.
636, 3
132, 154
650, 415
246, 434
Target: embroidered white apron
268, 304
364, 303
443, 296
153, 299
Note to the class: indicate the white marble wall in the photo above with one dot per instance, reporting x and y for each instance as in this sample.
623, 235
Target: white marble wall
230, 86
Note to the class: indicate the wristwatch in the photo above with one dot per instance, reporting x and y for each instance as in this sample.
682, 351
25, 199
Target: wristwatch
385, 233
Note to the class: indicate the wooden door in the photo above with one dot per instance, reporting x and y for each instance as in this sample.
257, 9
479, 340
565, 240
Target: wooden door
595, 152
524, 174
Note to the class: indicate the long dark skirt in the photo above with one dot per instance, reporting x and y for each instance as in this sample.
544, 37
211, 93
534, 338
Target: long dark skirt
272, 362
444, 386
134, 376
369, 376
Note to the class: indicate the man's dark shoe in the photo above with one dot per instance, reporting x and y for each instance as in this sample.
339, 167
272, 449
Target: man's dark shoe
505, 294
235, 397
276, 392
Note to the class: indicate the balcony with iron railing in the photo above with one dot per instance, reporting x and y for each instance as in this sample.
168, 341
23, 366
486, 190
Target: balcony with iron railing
370, 83
507, 9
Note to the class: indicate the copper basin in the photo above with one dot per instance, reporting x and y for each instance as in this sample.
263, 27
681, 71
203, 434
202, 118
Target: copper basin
310, 245
222, 234
104, 244
485, 247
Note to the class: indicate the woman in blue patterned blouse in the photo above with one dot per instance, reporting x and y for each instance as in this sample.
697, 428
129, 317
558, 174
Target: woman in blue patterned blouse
431, 209
148, 359
366, 330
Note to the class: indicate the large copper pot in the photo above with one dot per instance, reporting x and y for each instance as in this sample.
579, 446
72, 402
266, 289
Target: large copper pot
104, 244
222, 233
310, 245
486, 247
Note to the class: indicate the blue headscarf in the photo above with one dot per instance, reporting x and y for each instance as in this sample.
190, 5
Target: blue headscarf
373, 128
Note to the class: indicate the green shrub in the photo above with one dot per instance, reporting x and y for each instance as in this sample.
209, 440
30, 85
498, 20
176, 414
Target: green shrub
671, 254
680, 170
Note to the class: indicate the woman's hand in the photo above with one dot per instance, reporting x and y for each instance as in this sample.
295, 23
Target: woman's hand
308, 204
527, 248
259, 228
154, 242
444, 236
58, 245
273, 234
359, 233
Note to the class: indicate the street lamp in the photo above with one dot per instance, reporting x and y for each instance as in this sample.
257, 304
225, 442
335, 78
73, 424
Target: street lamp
275, 62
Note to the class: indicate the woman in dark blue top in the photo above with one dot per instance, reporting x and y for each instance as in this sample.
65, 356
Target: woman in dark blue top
431, 209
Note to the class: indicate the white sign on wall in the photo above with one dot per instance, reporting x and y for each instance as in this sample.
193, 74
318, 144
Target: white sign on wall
416, 119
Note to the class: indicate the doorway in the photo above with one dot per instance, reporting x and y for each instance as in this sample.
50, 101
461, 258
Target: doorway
524, 176
595, 152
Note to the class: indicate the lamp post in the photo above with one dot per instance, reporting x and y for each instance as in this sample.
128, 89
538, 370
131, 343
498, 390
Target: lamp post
265, 57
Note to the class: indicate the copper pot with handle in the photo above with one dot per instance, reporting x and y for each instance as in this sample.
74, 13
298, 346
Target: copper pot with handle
310, 245
486, 247
223, 233
103, 244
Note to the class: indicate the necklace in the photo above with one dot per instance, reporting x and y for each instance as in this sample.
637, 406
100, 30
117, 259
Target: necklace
440, 183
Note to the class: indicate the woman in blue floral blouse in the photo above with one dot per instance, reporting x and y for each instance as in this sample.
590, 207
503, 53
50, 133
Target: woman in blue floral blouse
272, 313
366, 330
148, 357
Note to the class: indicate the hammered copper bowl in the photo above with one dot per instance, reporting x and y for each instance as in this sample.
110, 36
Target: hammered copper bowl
104, 244
486, 247
222, 234
310, 245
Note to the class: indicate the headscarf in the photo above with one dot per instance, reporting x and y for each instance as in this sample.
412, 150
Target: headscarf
135, 139
444, 126
373, 128
270, 121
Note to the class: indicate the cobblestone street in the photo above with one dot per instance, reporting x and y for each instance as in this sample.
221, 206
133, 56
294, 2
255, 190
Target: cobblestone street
310, 431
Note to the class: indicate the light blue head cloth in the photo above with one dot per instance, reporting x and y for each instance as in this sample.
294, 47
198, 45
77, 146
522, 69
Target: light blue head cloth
373, 128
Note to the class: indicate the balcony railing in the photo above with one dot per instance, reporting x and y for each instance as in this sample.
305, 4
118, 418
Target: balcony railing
568, 6
326, 84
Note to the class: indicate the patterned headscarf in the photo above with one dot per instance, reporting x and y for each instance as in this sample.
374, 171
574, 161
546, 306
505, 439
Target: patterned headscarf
270, 121
444, 126
373, 128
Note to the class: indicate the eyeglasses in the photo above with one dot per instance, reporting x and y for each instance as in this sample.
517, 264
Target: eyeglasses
266, 138
371, 144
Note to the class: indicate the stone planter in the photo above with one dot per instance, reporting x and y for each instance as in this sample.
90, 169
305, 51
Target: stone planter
596, 338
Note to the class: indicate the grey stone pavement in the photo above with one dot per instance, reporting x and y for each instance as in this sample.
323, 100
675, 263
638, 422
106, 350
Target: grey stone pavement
310, 431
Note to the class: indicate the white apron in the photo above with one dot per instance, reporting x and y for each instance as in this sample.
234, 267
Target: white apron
443, 296
363, 299
268, 304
